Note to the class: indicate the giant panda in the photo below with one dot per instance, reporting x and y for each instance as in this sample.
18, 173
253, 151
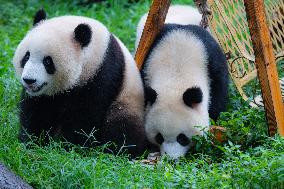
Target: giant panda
185, 76
81, 84
178, 14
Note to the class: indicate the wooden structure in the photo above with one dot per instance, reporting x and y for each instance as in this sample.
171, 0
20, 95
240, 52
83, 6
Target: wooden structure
229, 26
154, 23
266, 66
241, 73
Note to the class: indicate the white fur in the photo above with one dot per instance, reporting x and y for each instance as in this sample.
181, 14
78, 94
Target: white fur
177, 63
34, 69
173, 149
55, 37
178, 14
132, 89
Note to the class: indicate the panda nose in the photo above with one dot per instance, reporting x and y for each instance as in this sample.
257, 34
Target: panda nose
29, 81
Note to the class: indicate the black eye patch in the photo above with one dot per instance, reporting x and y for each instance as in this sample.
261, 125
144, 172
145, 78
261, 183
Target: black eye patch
159, 138
183, 140
25, 59
49, 65
192, 96
150, 95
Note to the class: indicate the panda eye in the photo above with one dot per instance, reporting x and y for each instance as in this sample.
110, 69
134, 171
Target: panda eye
159, 138
49, 65
183, 140
150, 95
25, 59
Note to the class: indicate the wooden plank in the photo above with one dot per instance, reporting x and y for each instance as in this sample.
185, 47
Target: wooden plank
266, 66
154, 24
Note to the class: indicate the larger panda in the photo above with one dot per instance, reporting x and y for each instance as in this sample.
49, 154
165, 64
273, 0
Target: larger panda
79, 81
186, 81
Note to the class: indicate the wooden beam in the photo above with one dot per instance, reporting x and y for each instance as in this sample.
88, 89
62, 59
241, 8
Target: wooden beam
266, 66
154, 24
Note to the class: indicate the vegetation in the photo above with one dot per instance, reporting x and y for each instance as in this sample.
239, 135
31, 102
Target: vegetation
249, 159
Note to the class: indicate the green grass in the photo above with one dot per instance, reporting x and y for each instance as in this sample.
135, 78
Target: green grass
249, 160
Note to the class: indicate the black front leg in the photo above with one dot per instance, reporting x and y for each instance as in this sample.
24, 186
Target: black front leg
37, 117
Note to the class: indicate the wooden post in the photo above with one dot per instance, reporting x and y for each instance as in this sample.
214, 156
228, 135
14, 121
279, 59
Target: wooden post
154, 24
265, 65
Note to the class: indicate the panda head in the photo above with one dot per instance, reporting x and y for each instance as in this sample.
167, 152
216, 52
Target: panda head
48, 59
174, 117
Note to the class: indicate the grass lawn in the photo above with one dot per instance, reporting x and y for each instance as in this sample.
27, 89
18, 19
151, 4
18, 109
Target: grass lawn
249, 160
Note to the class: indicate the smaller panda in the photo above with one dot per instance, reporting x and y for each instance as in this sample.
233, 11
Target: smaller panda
177, 14
185, 76
79, 81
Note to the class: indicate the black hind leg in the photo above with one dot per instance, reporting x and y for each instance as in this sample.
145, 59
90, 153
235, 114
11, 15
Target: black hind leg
125, 129
218, 93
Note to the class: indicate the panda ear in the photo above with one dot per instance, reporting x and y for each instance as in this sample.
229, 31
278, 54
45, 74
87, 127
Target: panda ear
192, 96
150, 95
39, 16
83, 34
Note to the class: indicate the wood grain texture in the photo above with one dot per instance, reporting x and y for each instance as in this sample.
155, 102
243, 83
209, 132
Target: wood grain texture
154, 24
265, 64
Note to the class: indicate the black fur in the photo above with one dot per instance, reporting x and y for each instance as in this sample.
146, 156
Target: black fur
124, 130
217, 65
29, 81
159, 138
25, 59
183, 139
192, 96
49, 65
39, 16
150, 95
83, 109
83, 34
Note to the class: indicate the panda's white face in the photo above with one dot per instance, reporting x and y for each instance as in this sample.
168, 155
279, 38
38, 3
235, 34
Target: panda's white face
58, 54
44, 66
171, 124
37, 75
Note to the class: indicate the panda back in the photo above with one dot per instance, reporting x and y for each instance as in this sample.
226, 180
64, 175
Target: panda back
210, 69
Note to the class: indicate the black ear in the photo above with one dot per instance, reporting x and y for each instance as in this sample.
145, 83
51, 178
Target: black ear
192, 96
39, 16
150, 95
83, 34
